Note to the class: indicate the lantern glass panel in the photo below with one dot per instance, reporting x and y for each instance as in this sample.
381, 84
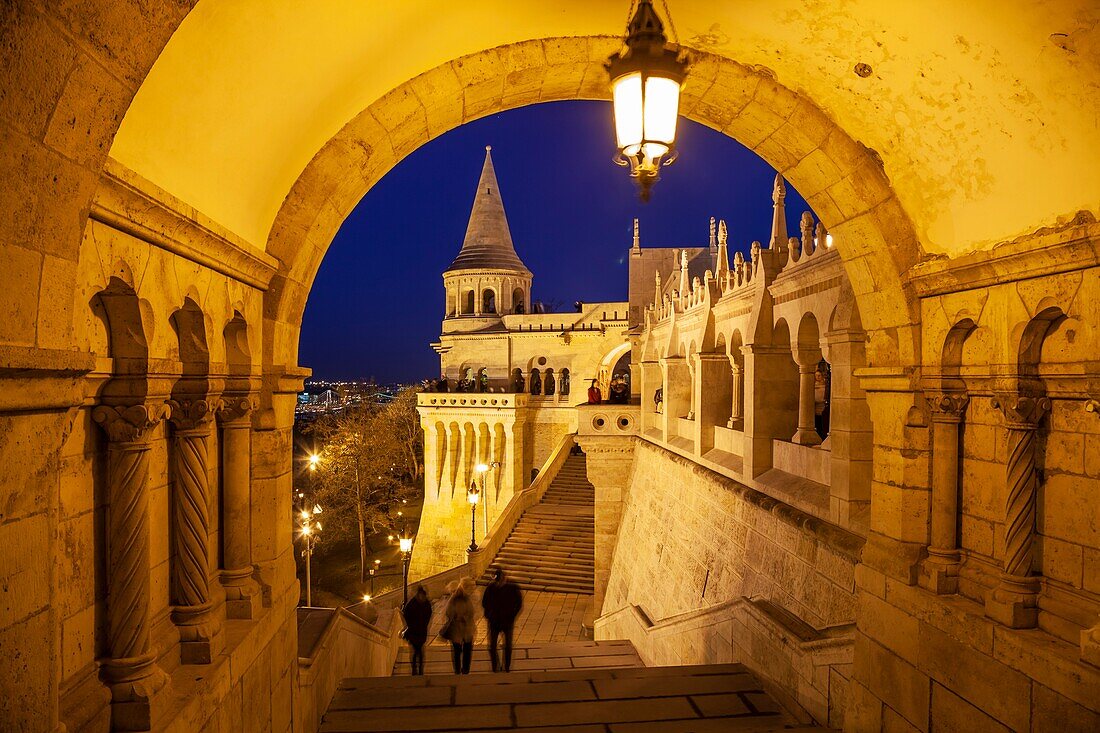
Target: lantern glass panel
627, 94
662, 102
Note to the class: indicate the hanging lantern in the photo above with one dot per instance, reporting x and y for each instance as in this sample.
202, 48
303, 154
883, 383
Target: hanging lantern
646, 78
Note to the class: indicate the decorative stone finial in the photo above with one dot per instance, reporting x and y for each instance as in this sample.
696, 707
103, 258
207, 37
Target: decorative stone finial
637, 238
807, 227
779, 217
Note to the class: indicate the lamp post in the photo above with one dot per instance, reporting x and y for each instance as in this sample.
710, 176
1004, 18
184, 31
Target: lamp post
646, 78
373, 570
309, 528
406, 544
473, 495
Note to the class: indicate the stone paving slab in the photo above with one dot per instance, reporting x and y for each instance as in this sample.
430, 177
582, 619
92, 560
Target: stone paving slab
604, 711
695, 699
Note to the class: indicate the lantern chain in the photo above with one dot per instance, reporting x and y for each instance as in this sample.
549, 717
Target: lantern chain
629, 17
671, 25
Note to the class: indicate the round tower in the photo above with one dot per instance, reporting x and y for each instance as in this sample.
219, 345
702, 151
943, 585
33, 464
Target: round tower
487, 279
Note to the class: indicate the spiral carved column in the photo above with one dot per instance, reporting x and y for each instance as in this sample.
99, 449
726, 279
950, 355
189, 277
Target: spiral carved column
194, 608
940, 572
130, 670
1014, 601
236, 470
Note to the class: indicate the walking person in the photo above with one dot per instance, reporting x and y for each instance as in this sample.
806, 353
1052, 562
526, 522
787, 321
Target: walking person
459, 626
501, 601
418, 615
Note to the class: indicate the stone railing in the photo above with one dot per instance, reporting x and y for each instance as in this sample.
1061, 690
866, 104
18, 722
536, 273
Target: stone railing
334, 644
813, 246
608, 419
466, 400
805, 668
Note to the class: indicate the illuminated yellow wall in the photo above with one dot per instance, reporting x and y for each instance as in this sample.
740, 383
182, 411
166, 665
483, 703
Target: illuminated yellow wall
984, 117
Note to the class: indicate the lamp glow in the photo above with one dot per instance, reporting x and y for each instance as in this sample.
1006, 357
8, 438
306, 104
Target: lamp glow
406, 544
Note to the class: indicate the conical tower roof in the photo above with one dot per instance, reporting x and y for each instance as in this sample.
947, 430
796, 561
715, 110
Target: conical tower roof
488, 243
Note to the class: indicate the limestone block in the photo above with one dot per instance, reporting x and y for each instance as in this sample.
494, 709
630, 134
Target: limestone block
76, 571
1001, 692
977, 535
78, 127
1069, 509
1054, 713
1047, 662
888, 625
55, 303
895, 682
78, 641
24, 568
864, 709
951, 712
1092, 569
1062, 561
33, 666
1065, 451
892, 722
76, 478
21, 270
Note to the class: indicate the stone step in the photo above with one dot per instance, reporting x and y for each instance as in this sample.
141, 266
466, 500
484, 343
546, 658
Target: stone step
549, 553
548, 572
601, 688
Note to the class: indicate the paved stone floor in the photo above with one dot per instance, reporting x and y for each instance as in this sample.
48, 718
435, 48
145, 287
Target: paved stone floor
532, 657
545, 617
699, 699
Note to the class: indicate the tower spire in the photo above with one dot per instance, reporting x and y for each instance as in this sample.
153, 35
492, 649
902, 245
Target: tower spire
637, 240
713, 239
779, 216
488, 241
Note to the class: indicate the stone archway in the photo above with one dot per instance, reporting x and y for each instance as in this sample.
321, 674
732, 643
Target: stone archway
842, 180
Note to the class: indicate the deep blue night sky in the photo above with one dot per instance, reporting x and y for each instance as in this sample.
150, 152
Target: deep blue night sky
377, 301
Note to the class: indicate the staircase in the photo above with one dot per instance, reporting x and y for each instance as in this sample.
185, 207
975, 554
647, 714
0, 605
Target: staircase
584, 697
551, 547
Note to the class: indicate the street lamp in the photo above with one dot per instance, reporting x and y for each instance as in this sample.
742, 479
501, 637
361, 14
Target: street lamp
646, 78
473, 495
373, 570
308, 528
405, 543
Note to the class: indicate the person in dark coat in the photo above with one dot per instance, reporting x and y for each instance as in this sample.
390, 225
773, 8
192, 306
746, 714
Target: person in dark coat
418, 615
501, 602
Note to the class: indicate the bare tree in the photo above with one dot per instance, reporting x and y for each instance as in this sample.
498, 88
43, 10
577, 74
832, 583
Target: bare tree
369, 469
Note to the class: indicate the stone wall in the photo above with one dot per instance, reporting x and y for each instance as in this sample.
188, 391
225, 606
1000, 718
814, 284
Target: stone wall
707, 570
690, 538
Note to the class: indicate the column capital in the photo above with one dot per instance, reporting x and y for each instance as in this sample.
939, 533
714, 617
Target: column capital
235, 408
947, 406
192, 413
1021, 412
130, 423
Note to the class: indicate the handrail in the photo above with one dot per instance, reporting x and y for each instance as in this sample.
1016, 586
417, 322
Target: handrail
478, 562
810, 647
